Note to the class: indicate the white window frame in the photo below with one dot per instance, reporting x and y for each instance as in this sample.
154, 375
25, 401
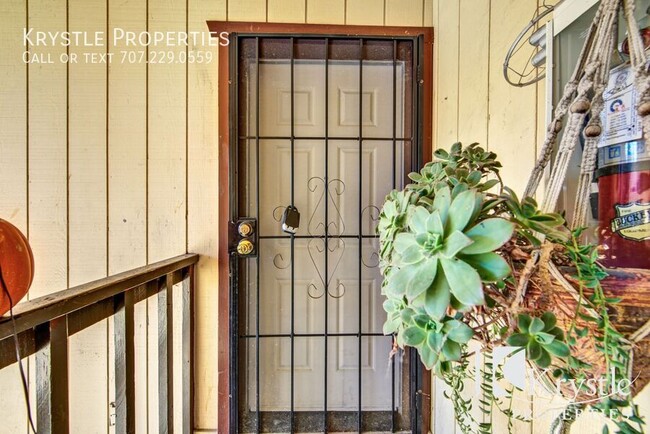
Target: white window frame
565, 13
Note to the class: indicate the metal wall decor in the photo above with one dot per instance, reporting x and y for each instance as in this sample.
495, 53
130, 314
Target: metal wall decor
525, 61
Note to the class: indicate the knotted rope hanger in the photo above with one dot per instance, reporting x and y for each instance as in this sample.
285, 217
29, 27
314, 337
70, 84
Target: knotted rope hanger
583, 96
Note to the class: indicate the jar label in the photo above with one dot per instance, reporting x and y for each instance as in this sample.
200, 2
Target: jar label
632, 221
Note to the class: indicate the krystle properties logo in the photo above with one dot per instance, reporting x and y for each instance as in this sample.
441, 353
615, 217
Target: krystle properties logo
510, 371
119, 36
120, 46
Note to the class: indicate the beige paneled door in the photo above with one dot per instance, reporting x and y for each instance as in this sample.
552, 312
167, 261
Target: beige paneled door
345, 313
322, 127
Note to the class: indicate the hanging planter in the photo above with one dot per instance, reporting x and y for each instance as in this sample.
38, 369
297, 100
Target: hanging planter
464, 258
462, 263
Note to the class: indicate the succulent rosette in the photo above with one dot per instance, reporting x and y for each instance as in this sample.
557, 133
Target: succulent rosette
445, 253
438, 244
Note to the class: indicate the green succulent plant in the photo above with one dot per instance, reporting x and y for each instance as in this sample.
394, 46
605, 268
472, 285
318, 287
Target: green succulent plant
393, 219
540, 337
468, 165
439, 241
443, 240
444, 252
531, 220
437, 249
437, 340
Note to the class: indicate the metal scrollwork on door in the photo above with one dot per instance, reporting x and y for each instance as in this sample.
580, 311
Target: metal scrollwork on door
334, 188
314, 247
373, 216
278, 260
326, 242
372, 261
277, 213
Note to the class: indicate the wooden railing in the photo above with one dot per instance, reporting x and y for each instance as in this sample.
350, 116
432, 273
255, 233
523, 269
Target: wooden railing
43, 326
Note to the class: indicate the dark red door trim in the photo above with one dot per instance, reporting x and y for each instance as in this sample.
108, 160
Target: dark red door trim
216, 27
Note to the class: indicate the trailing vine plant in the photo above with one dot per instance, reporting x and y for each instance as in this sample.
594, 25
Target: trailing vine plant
611, 343
455, 249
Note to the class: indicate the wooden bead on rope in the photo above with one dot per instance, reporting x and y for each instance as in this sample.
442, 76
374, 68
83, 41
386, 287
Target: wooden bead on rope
580, 106
644, 108
593, 130
557, 126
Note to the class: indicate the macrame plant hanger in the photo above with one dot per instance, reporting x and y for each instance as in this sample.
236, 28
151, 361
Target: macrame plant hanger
583, 97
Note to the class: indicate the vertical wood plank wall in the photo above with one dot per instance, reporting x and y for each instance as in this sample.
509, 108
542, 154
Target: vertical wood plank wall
13, 169
107, 168
87, 211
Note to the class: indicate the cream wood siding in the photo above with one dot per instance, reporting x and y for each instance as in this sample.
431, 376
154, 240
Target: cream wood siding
107, 168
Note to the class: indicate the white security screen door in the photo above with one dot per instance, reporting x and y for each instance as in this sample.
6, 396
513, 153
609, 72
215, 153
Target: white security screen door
324, 126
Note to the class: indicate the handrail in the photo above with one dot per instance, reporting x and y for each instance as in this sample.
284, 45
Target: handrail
43, 326
42, 309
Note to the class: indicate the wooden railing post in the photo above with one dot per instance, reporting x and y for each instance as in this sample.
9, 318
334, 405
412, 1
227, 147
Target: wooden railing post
124, 363
52, 414
166, 357
188, 350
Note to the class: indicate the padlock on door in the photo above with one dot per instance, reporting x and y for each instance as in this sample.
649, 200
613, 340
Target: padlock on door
290, 219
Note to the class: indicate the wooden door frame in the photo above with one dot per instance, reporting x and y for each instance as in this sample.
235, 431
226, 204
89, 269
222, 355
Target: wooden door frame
224, 86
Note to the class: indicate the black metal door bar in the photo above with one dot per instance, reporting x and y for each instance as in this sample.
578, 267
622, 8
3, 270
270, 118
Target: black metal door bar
414, 140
